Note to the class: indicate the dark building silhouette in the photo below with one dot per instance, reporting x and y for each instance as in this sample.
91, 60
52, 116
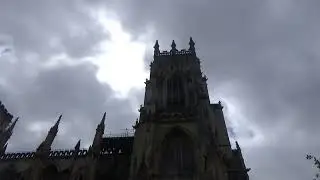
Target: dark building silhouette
179, 135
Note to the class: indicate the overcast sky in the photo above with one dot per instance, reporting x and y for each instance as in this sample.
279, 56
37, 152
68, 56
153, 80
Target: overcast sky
84, 57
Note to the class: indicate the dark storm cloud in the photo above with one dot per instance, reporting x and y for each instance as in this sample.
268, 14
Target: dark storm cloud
71, 90
267, 50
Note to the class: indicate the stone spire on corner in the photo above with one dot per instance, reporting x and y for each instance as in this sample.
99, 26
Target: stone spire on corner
45, 146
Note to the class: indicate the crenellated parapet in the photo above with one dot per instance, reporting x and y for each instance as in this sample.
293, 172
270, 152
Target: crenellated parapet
181, 52
174, 50
110, 146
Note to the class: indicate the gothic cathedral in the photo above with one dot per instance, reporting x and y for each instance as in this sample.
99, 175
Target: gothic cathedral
179, 135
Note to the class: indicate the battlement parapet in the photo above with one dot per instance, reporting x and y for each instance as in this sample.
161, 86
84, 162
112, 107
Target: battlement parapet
182, 52
110, 146
57, 154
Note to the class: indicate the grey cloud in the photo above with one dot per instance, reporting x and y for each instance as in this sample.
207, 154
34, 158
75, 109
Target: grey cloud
73, 91
37, 31
50, 27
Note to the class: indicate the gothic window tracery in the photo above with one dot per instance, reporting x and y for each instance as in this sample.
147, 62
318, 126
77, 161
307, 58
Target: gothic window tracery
175, 91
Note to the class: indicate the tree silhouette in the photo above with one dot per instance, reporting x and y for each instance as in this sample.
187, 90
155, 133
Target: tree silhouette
316, 163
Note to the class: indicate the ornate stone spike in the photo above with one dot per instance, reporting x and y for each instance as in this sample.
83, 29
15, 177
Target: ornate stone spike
191, 46
173, 45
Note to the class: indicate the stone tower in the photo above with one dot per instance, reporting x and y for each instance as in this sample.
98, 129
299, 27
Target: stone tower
180, 134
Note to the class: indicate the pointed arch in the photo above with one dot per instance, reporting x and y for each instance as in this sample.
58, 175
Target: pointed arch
177, 154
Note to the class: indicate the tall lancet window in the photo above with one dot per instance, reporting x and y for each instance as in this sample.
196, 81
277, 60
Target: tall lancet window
177, 158
175, 91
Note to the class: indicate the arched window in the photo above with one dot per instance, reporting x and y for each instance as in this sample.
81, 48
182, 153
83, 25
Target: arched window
178, 155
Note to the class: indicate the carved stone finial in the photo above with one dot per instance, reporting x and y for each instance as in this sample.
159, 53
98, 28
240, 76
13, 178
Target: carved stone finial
156, 48
136, 124
237, 145
191, 47
220, 105
173, 47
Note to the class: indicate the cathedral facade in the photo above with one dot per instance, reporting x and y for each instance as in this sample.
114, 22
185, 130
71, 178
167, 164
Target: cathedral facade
179, 135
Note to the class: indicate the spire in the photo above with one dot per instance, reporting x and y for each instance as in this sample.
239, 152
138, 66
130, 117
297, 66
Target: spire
156, 48
46, 144
58, 122
191, 47
5, 136
99, 131
103, 119
101, 125
54, 129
